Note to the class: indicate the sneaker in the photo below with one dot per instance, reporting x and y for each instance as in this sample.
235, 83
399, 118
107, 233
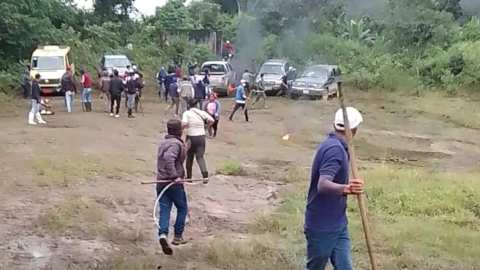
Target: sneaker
111, 114
117, 116
166, 248
179, 241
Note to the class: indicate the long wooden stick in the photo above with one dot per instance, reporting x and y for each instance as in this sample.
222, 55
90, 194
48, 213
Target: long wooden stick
354, 168
169, 181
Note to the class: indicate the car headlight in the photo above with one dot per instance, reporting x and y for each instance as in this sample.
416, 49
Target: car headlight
318, 86
295, 84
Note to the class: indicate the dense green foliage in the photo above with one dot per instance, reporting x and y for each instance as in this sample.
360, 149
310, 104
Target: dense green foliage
403, 45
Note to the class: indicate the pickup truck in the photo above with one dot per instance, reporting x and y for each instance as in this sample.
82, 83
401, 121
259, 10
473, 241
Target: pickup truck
221, 76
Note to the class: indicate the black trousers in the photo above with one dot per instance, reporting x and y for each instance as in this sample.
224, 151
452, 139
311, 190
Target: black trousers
198, 145
26, 90
238, 106
213, 129
115, 99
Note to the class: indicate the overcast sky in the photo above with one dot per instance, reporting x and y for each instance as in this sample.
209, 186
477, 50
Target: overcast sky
146, 7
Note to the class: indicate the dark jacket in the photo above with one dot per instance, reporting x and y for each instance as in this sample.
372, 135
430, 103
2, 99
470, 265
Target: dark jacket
171, 69
200, 92
191, 69
131, 86
67, 83
170, 157
25, 78
35, 91
116, 86
173, 90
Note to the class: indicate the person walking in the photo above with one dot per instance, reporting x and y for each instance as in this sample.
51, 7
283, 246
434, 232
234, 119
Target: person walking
194, 121
212, 107
200, 93
87, 89
116, 89
68, 85
25, 83
240, 100
186, 93
104, 86
206, 81
174, 95
261, 92
326, 229
35, 103
248, 78
161, 76
178, 73
170, 157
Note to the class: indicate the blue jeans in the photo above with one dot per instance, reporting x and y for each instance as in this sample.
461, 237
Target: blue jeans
86, 94
333, 246
175, 195
69, 98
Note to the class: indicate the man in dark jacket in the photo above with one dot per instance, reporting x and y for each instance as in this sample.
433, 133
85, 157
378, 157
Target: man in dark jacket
191, 70
68, 85
200, 93
131, 93
25, 83
174, 95
116, 89
35, 103
161, 76
170, 157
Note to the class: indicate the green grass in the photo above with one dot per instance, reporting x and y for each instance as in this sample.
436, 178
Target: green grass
231, 167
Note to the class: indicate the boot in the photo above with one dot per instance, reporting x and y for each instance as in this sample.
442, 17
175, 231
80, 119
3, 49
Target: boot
89, 106
163, 240
205, 175
178, 241
84, 106
39, 118
130, 115
30, 118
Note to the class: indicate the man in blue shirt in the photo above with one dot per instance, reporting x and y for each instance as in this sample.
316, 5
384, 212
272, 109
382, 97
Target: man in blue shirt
326, 224
240, 100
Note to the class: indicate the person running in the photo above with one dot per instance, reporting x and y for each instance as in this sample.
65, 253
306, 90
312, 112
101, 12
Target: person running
261, 92
116, 89
194, 121
178, 73
68, 85
200, 93
170, 157
104, 86
25, 83
283, 87
87, 89
139, 85
240, 100
290, 78
174, 95
326, 228
212, 107
206, 81
186, 93
35, 103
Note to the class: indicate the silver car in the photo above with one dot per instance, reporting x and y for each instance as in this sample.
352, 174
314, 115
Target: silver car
274, 70
221, 76
317, 81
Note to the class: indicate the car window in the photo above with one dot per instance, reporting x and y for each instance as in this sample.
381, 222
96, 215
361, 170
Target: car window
338, 72
117, 62
272, 69
287, 66
217, 69
48, 63
316, 72
230, 67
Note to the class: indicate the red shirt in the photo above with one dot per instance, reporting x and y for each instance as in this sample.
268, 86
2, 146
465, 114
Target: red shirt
178, 72
229, 47
86, 81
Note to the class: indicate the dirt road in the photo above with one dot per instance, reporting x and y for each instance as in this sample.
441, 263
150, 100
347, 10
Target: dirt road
71, 194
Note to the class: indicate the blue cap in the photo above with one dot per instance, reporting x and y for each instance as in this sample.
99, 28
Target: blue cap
174, 79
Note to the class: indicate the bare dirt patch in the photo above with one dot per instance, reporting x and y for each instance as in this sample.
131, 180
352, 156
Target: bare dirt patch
72, 198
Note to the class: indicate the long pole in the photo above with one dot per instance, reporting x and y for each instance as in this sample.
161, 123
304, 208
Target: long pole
354, 168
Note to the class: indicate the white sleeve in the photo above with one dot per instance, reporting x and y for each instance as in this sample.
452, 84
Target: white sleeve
185, 118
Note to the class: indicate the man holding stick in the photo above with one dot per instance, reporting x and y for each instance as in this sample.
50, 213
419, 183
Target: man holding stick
170, 157
326, 224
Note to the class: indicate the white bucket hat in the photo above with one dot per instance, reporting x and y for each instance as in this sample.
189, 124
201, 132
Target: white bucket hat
354, 118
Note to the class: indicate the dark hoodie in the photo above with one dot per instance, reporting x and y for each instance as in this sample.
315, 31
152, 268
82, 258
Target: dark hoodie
170, 157
191, 69
200, 92
25, 78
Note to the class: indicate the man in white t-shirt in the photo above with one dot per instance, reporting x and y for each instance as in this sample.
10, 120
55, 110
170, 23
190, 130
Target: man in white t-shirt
193, 122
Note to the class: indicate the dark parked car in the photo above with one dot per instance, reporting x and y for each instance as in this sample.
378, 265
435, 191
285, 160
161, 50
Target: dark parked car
111, 62
317, 81
273, 69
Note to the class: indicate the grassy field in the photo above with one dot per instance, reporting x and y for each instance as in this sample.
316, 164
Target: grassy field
72, 198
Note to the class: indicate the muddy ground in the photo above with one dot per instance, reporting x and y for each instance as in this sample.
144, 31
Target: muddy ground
71, 192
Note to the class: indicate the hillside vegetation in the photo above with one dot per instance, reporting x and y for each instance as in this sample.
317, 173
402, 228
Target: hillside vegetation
401, 45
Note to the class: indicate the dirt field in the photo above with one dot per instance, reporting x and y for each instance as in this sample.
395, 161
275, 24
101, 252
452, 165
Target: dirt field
72, 199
